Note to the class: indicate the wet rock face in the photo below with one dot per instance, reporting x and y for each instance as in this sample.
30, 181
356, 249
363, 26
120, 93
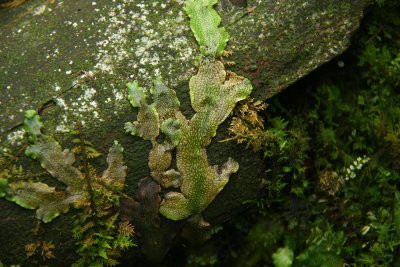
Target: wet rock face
284, 40
77, 56
45, 44
11, 3
240, 3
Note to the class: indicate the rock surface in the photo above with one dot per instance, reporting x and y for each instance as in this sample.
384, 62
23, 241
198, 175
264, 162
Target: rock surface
82, 53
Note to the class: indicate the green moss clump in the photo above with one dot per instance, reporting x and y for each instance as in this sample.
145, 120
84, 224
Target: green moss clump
48, 201
204, 22
213, 96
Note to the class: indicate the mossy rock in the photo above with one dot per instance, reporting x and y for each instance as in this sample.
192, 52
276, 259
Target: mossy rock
82, 54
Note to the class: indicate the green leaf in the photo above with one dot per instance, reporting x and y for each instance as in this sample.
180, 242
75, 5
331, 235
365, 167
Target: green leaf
32, 125
147, 124
48, 202
172, 130
165, 100
136, 94
92, 152
115, 173
213, 99
103, 254
4, 188
204, 22
283, 257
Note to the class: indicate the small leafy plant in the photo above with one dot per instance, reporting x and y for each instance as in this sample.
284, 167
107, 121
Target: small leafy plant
98, 232
49, 201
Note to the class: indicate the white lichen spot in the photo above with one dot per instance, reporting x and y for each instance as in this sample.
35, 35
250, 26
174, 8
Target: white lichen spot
56, 52
118, 95
157, 72
93, 104
95, 114
62, 128
61, 103
39, 11
15, 137
89, 93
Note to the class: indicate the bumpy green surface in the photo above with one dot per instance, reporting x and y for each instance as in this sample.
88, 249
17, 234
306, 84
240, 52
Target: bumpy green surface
165, 101
48, 201
32, 125
204, 22
213, 98
115, 173
160, 115
36, 195
136, 94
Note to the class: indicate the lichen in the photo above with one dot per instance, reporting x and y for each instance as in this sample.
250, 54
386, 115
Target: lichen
48, 201
213, 96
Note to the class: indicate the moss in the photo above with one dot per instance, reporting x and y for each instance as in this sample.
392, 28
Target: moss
48, 201
332, 205
213, 96
204, 22
113, 36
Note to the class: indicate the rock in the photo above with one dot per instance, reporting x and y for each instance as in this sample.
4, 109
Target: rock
80, 54
11, 3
